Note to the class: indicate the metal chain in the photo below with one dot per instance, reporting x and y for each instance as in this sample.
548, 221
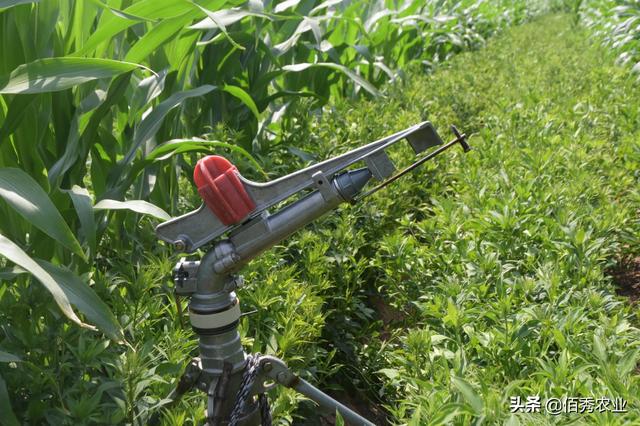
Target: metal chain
248, 379
265, 410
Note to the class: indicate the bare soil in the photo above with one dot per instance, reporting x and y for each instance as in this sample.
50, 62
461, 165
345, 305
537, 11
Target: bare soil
626, 276
368, 409
389, 315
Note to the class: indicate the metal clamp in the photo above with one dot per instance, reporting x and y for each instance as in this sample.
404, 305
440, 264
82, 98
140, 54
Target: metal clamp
184, 277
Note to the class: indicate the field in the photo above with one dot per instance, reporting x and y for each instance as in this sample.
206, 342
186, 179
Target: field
507, 271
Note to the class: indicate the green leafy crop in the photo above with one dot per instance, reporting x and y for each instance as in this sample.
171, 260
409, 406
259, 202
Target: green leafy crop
481, 277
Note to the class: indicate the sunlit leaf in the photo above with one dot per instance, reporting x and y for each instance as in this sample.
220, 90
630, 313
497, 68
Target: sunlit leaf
158, 35
121, 13
225, 18
239, 93
138, 206
54, 74
147, 9
5, 4
287, 4
15, 254
26, 197
353, 76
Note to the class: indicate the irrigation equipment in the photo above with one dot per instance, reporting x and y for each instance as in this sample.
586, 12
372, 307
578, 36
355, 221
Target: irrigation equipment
235, 221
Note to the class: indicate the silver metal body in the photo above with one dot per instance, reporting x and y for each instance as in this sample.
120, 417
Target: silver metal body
212, 282
199, 227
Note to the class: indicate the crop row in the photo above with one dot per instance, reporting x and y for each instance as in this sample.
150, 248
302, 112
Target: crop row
101, 103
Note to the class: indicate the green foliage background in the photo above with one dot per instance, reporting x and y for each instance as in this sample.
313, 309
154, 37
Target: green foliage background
114, 101
492, 265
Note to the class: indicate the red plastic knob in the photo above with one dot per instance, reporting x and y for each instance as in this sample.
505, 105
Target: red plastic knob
222, 190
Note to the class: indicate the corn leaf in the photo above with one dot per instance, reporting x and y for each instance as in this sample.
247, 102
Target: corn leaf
149, 126
8, 417
78, 124
244, 97
55, 74
7, 274
16, 113
82, 296
83, 204
287, 4
325, 5
121, 13
224, 18
158, 35
26, 197
145, 9
214, 18
352, 75
285, 46
138, 206
5, 4
7, 357
148, 89
15, 254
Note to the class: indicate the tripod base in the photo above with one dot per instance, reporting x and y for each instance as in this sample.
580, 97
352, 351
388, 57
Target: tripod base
235, 382
262, 369
249, 404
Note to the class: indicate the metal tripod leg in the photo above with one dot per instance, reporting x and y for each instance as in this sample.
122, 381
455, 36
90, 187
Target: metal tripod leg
272, 368
223, 393
216, 395
187, 381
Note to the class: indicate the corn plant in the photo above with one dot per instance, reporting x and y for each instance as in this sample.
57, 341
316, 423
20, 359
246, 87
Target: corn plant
95, 89
617, 24
106, 105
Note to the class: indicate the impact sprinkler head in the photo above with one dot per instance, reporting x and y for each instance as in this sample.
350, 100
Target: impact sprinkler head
240, 219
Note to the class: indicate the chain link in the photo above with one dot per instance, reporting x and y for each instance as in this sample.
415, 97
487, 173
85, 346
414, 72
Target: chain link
265, 410
244, 392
